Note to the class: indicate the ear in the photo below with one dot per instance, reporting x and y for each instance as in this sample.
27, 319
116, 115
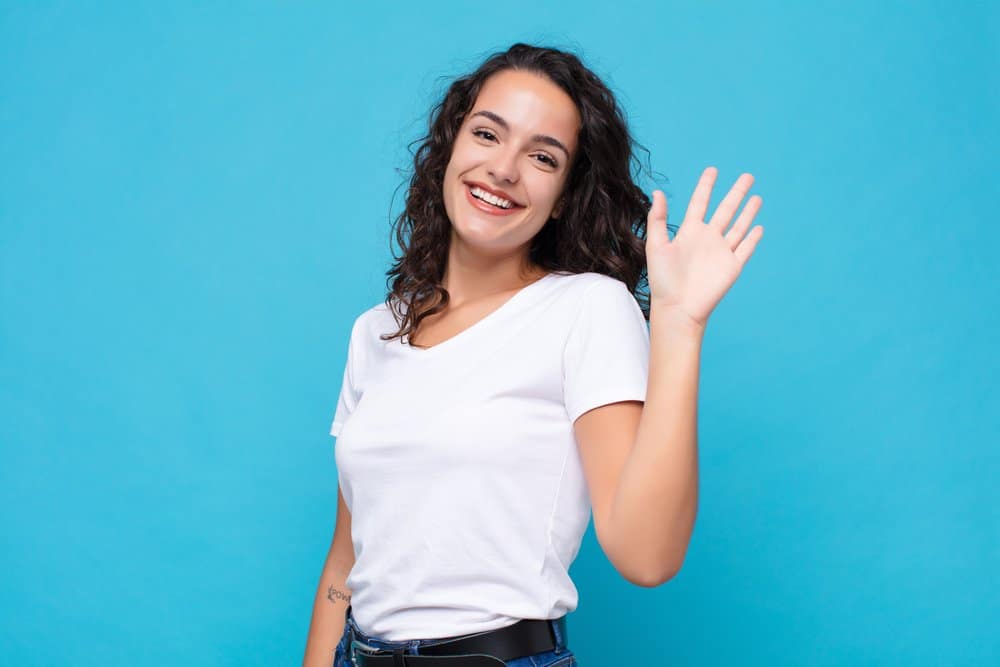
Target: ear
558, 209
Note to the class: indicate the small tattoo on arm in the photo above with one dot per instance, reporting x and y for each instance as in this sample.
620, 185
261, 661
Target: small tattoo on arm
332, 594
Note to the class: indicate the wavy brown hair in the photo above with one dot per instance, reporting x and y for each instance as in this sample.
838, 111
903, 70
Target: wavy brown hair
602, 226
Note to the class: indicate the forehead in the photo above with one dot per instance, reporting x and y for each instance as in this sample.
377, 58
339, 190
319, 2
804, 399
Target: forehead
530, 103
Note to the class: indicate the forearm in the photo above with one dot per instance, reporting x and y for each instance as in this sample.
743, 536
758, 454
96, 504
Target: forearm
329, 610
657, 496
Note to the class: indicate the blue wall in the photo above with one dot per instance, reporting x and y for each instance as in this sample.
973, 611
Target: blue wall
195, 203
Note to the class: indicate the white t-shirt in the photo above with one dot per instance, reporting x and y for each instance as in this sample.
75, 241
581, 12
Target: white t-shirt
459, 462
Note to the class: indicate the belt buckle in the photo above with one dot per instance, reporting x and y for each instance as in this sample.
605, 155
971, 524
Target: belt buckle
365, 649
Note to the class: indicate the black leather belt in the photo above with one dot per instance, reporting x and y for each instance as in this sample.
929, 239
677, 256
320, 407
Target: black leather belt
485, 649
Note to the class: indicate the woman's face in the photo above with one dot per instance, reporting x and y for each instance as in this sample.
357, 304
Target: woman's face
517, 143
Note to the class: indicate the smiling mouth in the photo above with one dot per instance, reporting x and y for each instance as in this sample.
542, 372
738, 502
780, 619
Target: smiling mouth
487, 206
484, 194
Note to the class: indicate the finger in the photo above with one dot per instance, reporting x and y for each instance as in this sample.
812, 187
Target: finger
739, 228
727, 207
747, 245
656, 220
702, 193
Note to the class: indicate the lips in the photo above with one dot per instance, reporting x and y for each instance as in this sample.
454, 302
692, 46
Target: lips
495, 192
486, 207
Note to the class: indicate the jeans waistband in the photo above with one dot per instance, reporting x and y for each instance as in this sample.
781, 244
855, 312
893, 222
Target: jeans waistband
558, 630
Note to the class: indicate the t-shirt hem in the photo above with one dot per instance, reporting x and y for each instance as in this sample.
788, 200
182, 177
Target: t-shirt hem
606, 398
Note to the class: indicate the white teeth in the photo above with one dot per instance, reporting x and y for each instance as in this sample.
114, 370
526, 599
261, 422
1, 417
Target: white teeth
486, 196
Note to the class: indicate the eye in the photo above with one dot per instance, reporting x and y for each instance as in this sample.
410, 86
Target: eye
489, 136
548, 160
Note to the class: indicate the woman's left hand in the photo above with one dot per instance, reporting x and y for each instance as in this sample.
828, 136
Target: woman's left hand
691, 273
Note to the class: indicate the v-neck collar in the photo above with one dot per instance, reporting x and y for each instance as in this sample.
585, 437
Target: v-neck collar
507, 308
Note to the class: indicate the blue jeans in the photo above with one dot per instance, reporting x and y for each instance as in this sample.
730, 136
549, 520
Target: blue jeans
560, 656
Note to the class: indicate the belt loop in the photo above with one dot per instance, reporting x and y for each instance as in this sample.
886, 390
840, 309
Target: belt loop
349, 628
558, 626
397, 658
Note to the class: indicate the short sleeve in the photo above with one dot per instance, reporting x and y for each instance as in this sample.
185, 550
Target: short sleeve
606, 357
350, 392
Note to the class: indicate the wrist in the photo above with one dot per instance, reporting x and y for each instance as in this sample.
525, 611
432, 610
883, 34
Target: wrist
676, 319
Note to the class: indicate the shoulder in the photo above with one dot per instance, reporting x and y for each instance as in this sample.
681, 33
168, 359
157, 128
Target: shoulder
597, 290
588, 280
606, 309
369, 322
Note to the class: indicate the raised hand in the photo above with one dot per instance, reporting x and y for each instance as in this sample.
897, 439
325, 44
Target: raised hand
691, 273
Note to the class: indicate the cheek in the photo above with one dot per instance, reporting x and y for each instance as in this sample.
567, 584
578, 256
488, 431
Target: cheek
462, 151
458, 164
545, 190
452, 174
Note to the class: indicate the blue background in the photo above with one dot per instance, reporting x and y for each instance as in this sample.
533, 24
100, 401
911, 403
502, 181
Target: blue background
195, 202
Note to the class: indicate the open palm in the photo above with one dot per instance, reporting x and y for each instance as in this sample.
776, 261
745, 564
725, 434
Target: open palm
692, 272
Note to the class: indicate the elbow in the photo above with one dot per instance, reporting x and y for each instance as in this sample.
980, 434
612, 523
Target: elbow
642, 566
653, 578
661, 567
651, 571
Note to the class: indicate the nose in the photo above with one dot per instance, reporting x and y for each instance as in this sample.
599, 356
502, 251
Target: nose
503, 166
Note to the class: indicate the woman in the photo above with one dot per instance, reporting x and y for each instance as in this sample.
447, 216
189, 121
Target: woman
509, 384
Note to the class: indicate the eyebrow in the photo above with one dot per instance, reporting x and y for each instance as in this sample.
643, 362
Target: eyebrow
540, 138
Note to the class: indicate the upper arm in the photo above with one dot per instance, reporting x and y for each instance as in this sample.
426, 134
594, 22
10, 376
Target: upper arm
606, 368
605, 436
342, 548
351, 383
